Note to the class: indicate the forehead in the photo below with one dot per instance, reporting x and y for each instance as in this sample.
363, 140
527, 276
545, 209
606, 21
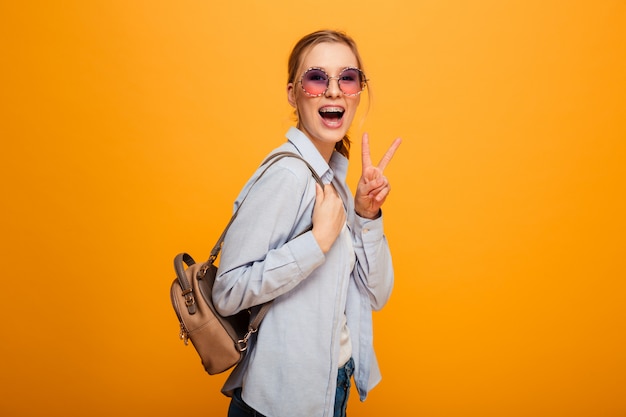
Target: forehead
333, 57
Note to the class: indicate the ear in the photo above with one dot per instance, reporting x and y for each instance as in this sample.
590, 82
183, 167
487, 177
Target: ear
291, 95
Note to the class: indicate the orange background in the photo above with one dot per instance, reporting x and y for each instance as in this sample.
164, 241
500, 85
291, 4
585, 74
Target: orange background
128, 128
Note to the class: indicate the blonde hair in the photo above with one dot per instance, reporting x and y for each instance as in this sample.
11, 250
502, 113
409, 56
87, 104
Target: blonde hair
303, 46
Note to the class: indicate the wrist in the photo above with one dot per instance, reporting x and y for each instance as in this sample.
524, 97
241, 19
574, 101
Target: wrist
371, 215
321, 242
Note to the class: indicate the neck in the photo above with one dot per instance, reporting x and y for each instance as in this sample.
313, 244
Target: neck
324, 147
325, 151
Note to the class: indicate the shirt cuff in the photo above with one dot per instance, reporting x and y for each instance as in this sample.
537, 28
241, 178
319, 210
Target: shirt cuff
370, 230
306, 252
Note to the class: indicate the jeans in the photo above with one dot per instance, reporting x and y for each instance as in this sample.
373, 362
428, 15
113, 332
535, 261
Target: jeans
343, 388
238, 408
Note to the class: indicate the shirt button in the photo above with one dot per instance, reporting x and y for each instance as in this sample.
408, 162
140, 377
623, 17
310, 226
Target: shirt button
366, 231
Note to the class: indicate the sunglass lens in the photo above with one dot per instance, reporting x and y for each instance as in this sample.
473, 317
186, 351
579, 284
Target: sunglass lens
315, 82
350, 81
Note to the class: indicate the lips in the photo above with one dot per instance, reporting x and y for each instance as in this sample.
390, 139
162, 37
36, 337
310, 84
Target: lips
332, 115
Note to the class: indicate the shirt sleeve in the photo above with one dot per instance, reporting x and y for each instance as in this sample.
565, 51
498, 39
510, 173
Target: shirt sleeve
260, 260
374, 268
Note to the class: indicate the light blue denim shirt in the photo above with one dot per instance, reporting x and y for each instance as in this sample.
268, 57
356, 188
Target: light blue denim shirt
291, 367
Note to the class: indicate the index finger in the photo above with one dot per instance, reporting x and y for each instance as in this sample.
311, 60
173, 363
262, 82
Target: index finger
389, 154
366, 159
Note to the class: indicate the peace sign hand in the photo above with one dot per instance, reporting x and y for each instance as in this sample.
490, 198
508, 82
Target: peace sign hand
373, 187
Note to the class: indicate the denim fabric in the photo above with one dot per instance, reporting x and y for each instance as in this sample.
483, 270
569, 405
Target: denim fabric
343, 388
238, 408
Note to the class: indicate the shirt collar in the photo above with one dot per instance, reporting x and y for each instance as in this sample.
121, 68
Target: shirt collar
338, 163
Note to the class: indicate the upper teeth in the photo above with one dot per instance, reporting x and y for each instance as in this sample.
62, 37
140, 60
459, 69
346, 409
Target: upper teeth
331, 109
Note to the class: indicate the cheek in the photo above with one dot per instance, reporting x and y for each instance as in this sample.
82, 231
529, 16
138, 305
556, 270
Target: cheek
306, 104
306, 109
354, 105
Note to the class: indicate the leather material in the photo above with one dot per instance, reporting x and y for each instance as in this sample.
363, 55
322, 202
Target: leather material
215, 338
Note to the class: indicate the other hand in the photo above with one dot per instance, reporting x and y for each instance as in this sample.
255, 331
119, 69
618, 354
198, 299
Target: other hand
329, 216
373, 187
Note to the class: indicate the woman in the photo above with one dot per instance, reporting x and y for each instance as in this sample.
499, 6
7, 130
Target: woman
324, 281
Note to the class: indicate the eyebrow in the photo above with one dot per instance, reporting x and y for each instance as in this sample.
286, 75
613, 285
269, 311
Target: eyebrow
327, 71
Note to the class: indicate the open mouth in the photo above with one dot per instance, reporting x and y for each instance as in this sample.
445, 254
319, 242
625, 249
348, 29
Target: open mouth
331, 114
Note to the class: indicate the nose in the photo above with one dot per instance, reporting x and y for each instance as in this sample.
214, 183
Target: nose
333, 89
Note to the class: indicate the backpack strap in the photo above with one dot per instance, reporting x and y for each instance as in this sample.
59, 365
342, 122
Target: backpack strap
271, 160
